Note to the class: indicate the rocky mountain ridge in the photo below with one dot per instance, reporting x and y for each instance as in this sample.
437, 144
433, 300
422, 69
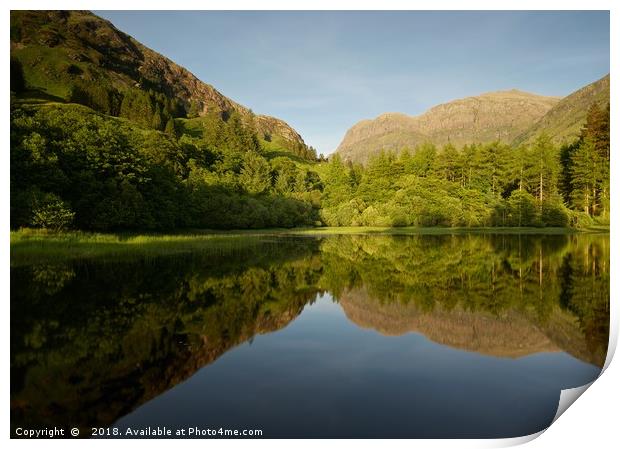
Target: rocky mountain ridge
510, 116
59, 49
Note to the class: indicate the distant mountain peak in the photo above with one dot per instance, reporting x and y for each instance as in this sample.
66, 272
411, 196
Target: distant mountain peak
500, 115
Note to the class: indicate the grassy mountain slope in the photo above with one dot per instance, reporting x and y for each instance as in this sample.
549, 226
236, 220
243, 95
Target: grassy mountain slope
78, 57
564, 121
492, 116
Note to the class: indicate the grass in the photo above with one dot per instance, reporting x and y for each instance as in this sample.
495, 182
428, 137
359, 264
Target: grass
31, 246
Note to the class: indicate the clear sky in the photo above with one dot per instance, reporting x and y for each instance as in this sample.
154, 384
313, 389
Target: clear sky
324, 71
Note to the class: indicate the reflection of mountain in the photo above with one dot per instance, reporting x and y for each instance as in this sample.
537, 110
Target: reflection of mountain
102, 388
511, 335
98, 395
89, 363
87, 351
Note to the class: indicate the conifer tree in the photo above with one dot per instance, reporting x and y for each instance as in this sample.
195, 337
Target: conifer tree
585, 176
170, 128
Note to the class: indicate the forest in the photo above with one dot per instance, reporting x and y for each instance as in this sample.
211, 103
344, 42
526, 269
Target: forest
75, 168
478, 185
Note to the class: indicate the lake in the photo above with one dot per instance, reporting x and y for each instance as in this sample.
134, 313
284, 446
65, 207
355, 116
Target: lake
441, 336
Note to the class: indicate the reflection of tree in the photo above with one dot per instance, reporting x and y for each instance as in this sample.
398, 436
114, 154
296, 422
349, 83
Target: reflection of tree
118, 334
51, 278
497, 276
91, 341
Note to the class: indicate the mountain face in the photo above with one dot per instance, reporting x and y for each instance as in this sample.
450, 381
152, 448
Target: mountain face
564, 120
488, 117
79, 57
510, 116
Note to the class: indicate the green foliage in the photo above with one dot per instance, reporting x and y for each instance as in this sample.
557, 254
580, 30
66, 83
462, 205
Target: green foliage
480, 185
50, 212
255, 176
522, 210
555, 213
117, 176
170, 128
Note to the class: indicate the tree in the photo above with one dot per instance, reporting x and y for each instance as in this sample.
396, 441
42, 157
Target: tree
156, 121
50, 212
255, 174
522, 209
596, 131
338, 188
422, 162
448, 163
545, 167
170, 128
585, 176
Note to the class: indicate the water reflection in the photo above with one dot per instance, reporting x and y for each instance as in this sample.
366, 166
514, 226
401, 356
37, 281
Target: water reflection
92, 341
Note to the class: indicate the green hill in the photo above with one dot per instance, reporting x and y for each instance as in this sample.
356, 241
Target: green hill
75, 56
563, 121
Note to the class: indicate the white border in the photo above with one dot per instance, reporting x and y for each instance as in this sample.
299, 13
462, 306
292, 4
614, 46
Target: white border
592, 421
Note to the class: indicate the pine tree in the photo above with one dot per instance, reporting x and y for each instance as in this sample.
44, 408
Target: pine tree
448, 163
585, 176
255, 176
545, 167
156, 121
170, 128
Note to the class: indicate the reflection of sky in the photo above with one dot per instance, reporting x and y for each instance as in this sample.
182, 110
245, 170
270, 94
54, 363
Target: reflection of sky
324, 376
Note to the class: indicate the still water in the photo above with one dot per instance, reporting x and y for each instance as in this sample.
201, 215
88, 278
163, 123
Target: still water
342, 336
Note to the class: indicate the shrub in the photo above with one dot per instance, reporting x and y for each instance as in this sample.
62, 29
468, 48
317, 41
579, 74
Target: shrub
580, 219
554, 214
50, 212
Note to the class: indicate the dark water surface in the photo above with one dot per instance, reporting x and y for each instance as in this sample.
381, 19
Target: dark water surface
343, 336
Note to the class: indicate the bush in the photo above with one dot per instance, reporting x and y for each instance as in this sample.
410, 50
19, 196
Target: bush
580, 219
50, 212
554, 214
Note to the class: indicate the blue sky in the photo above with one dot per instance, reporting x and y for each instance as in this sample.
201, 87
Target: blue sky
323, 71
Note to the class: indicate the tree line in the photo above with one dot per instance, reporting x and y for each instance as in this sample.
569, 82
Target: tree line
479, 185
73, 167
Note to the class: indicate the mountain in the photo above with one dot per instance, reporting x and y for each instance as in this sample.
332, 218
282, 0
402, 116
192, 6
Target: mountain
78, 57
564, 120
491, 116
510, 116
